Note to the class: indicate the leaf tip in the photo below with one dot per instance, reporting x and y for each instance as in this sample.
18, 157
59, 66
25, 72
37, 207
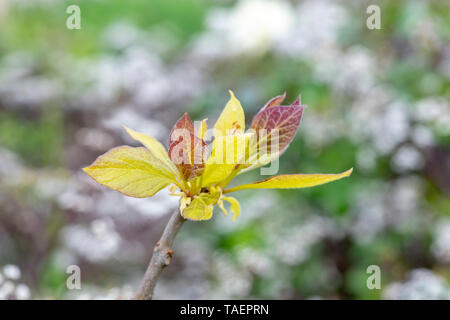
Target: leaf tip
233, 99
185, 116
89, 171
131, 132
297, 102
348, 172
280, 98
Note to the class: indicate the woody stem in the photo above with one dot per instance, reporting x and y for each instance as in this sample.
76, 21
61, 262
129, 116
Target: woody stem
162, 255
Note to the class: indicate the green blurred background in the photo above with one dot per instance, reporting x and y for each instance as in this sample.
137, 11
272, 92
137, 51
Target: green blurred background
378, 101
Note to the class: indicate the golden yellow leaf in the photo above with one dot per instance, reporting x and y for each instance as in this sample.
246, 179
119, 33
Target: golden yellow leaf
201, 207
215, 173
184, 202
155, 147
228, 152
132, 171
229, 143
232, 118
287, 181
221, 206
235, 207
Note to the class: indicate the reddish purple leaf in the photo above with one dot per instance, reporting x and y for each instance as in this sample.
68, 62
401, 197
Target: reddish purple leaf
276, 119
184, 123
187, 151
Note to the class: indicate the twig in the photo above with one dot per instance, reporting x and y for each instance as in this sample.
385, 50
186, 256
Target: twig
162, 255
